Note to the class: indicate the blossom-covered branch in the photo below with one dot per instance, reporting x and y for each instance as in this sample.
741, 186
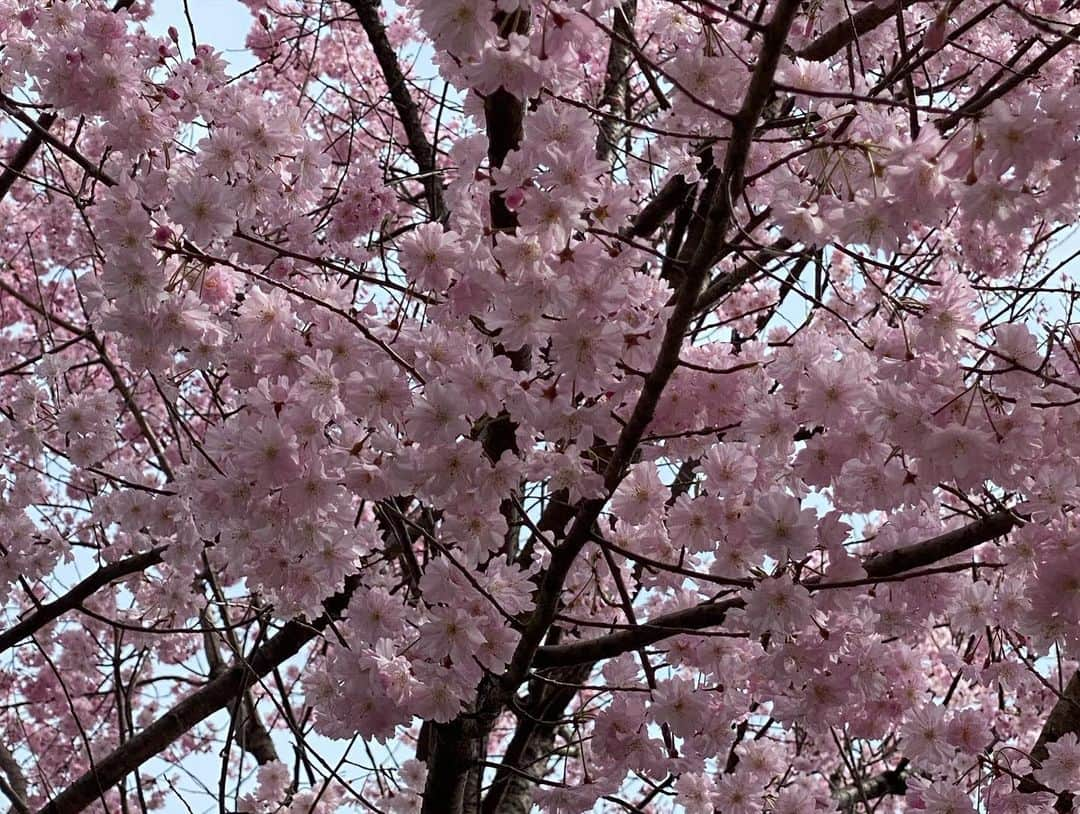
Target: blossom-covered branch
683, 393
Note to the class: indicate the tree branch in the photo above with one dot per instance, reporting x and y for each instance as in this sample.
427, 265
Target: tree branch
1064, 718
16, 787
504, 117
616, 78
845, 32
888, 782
251, 733
215, 695
21, 160
34, 139
717, 218
534, 737
711, 614
888, 563
985, 97
75, 597
739, 275
422, 151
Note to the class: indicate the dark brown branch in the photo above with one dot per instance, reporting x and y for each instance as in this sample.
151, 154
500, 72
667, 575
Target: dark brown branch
711, 614
533, 740
889, 563
717, 218
655, 212
21, 160
215, 695
251, 733
457, 749
699, 617
44, 136
1064, 718
616, 78
75, 597
984, 98
888, 782
34, 139
845, 32
15, 789
739, 275
457, 752
504, 117
421, 149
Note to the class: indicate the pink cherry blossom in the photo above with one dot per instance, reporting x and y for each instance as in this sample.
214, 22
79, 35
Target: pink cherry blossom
1061, 768
493, 405
778, 525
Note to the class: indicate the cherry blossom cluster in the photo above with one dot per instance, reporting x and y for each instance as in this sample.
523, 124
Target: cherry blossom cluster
662, 402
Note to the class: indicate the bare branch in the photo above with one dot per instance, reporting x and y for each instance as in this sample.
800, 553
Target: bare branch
77, 595
215, 695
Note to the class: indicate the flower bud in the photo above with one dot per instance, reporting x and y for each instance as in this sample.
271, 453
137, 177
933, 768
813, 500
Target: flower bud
514, 198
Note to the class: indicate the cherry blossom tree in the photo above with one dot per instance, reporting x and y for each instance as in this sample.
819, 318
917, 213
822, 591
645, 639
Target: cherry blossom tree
485, 406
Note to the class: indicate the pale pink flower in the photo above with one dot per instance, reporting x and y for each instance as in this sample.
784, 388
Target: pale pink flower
778, 524
1060, 770
640, 495
946, 798
694, 792
925, 736
777, 605
203, 208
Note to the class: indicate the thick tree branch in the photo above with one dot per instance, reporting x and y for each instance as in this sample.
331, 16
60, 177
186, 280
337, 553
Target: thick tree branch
845, 32
422, 151
444, 790
985, 97
18, 163
77, 595
534, 738
888, 782
457, 749
656, 211
215, 695
251, 733
15, 789
711, 614
739, 275
42, 135
34, 139
504, 117
717, 219
888, 563
616, 78
1064, 718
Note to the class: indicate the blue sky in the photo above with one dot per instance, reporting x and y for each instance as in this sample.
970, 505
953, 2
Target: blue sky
224, 24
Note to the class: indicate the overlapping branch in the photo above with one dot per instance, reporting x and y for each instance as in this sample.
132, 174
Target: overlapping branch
711, 614
422, 151
77, 595
215, 695
699, 252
